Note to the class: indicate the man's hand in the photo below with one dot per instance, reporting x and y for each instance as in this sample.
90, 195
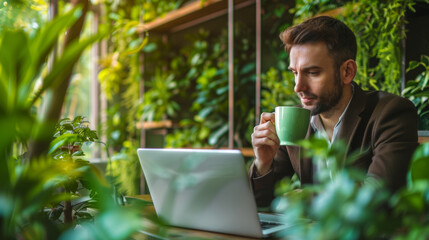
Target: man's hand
265, 143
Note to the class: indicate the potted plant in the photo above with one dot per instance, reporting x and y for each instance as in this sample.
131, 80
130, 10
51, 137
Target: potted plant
70, 135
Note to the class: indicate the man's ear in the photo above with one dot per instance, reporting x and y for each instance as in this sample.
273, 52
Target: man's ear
348, 71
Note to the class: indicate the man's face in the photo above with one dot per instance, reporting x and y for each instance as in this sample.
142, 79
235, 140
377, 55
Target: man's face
317, 82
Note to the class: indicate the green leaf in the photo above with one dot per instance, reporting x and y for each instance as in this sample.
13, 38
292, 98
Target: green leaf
48, 34
67, 59
248, 68
214, 138
420, 159
62, 140
222, 90
409, 201
45, 39
412, 65
77, 120
419, 169
55, 213
192, 72
72, 186
195, 59
205, 112
421, 94
15, 60
150, 47
425, 61
424, 83
78, 153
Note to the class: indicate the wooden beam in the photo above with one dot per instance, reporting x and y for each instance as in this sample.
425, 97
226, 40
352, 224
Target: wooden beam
191, 14
153, 125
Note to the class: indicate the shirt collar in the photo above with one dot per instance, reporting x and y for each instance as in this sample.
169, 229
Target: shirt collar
316, 122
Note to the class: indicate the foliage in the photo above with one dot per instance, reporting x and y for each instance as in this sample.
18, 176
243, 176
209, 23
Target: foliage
27, 189
70, 135
277, 90
200, 69
378, 26
22, 76
24, 14
418, 90
277, 82
29, 186
76, 101
158, 101
200, 73
126, 220
119, 77
207, 125
126, 170
306, 8
339, 206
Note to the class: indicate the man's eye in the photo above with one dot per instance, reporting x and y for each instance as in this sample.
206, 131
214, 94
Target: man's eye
313, 73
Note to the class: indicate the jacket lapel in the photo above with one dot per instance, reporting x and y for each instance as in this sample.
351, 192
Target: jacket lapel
352, 117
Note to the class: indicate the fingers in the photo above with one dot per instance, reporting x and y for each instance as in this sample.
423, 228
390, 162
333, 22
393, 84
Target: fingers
265, 134
267, 117
265, 145
265, 141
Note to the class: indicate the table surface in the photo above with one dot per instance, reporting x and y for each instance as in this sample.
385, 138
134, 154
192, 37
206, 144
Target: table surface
155, 231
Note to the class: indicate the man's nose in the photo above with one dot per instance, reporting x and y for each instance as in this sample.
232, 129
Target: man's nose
300, 84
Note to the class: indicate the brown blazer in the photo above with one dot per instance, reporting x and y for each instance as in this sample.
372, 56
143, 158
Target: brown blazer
381, 126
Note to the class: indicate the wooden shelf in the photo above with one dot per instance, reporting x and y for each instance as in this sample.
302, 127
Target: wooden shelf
247, 152
154, 125
423, 136
191, 14
423, 139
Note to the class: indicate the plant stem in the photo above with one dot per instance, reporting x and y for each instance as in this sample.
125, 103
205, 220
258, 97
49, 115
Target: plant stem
68, 212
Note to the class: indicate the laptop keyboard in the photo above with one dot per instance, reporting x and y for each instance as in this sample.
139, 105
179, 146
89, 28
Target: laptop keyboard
267, 225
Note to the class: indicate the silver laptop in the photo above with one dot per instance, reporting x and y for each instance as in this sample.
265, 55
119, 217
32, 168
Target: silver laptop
205, 190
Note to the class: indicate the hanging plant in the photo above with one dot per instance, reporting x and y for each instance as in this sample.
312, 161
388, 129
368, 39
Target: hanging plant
417, 90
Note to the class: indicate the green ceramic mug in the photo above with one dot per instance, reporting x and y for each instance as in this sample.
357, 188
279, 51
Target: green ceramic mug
291, 124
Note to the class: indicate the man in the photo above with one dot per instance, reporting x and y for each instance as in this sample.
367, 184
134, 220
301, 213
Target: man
379, 125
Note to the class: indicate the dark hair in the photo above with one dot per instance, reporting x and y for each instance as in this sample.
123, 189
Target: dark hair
339, 39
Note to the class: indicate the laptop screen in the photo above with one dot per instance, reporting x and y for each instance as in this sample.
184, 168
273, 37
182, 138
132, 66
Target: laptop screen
201, 189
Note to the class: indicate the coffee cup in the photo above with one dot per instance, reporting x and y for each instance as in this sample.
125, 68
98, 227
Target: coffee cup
291, 124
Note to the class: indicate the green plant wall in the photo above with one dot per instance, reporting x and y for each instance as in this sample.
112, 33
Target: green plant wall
380, 29
188, 83
200, 70
120, 79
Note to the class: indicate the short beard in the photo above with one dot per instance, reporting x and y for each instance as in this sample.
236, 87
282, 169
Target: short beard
331, 99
